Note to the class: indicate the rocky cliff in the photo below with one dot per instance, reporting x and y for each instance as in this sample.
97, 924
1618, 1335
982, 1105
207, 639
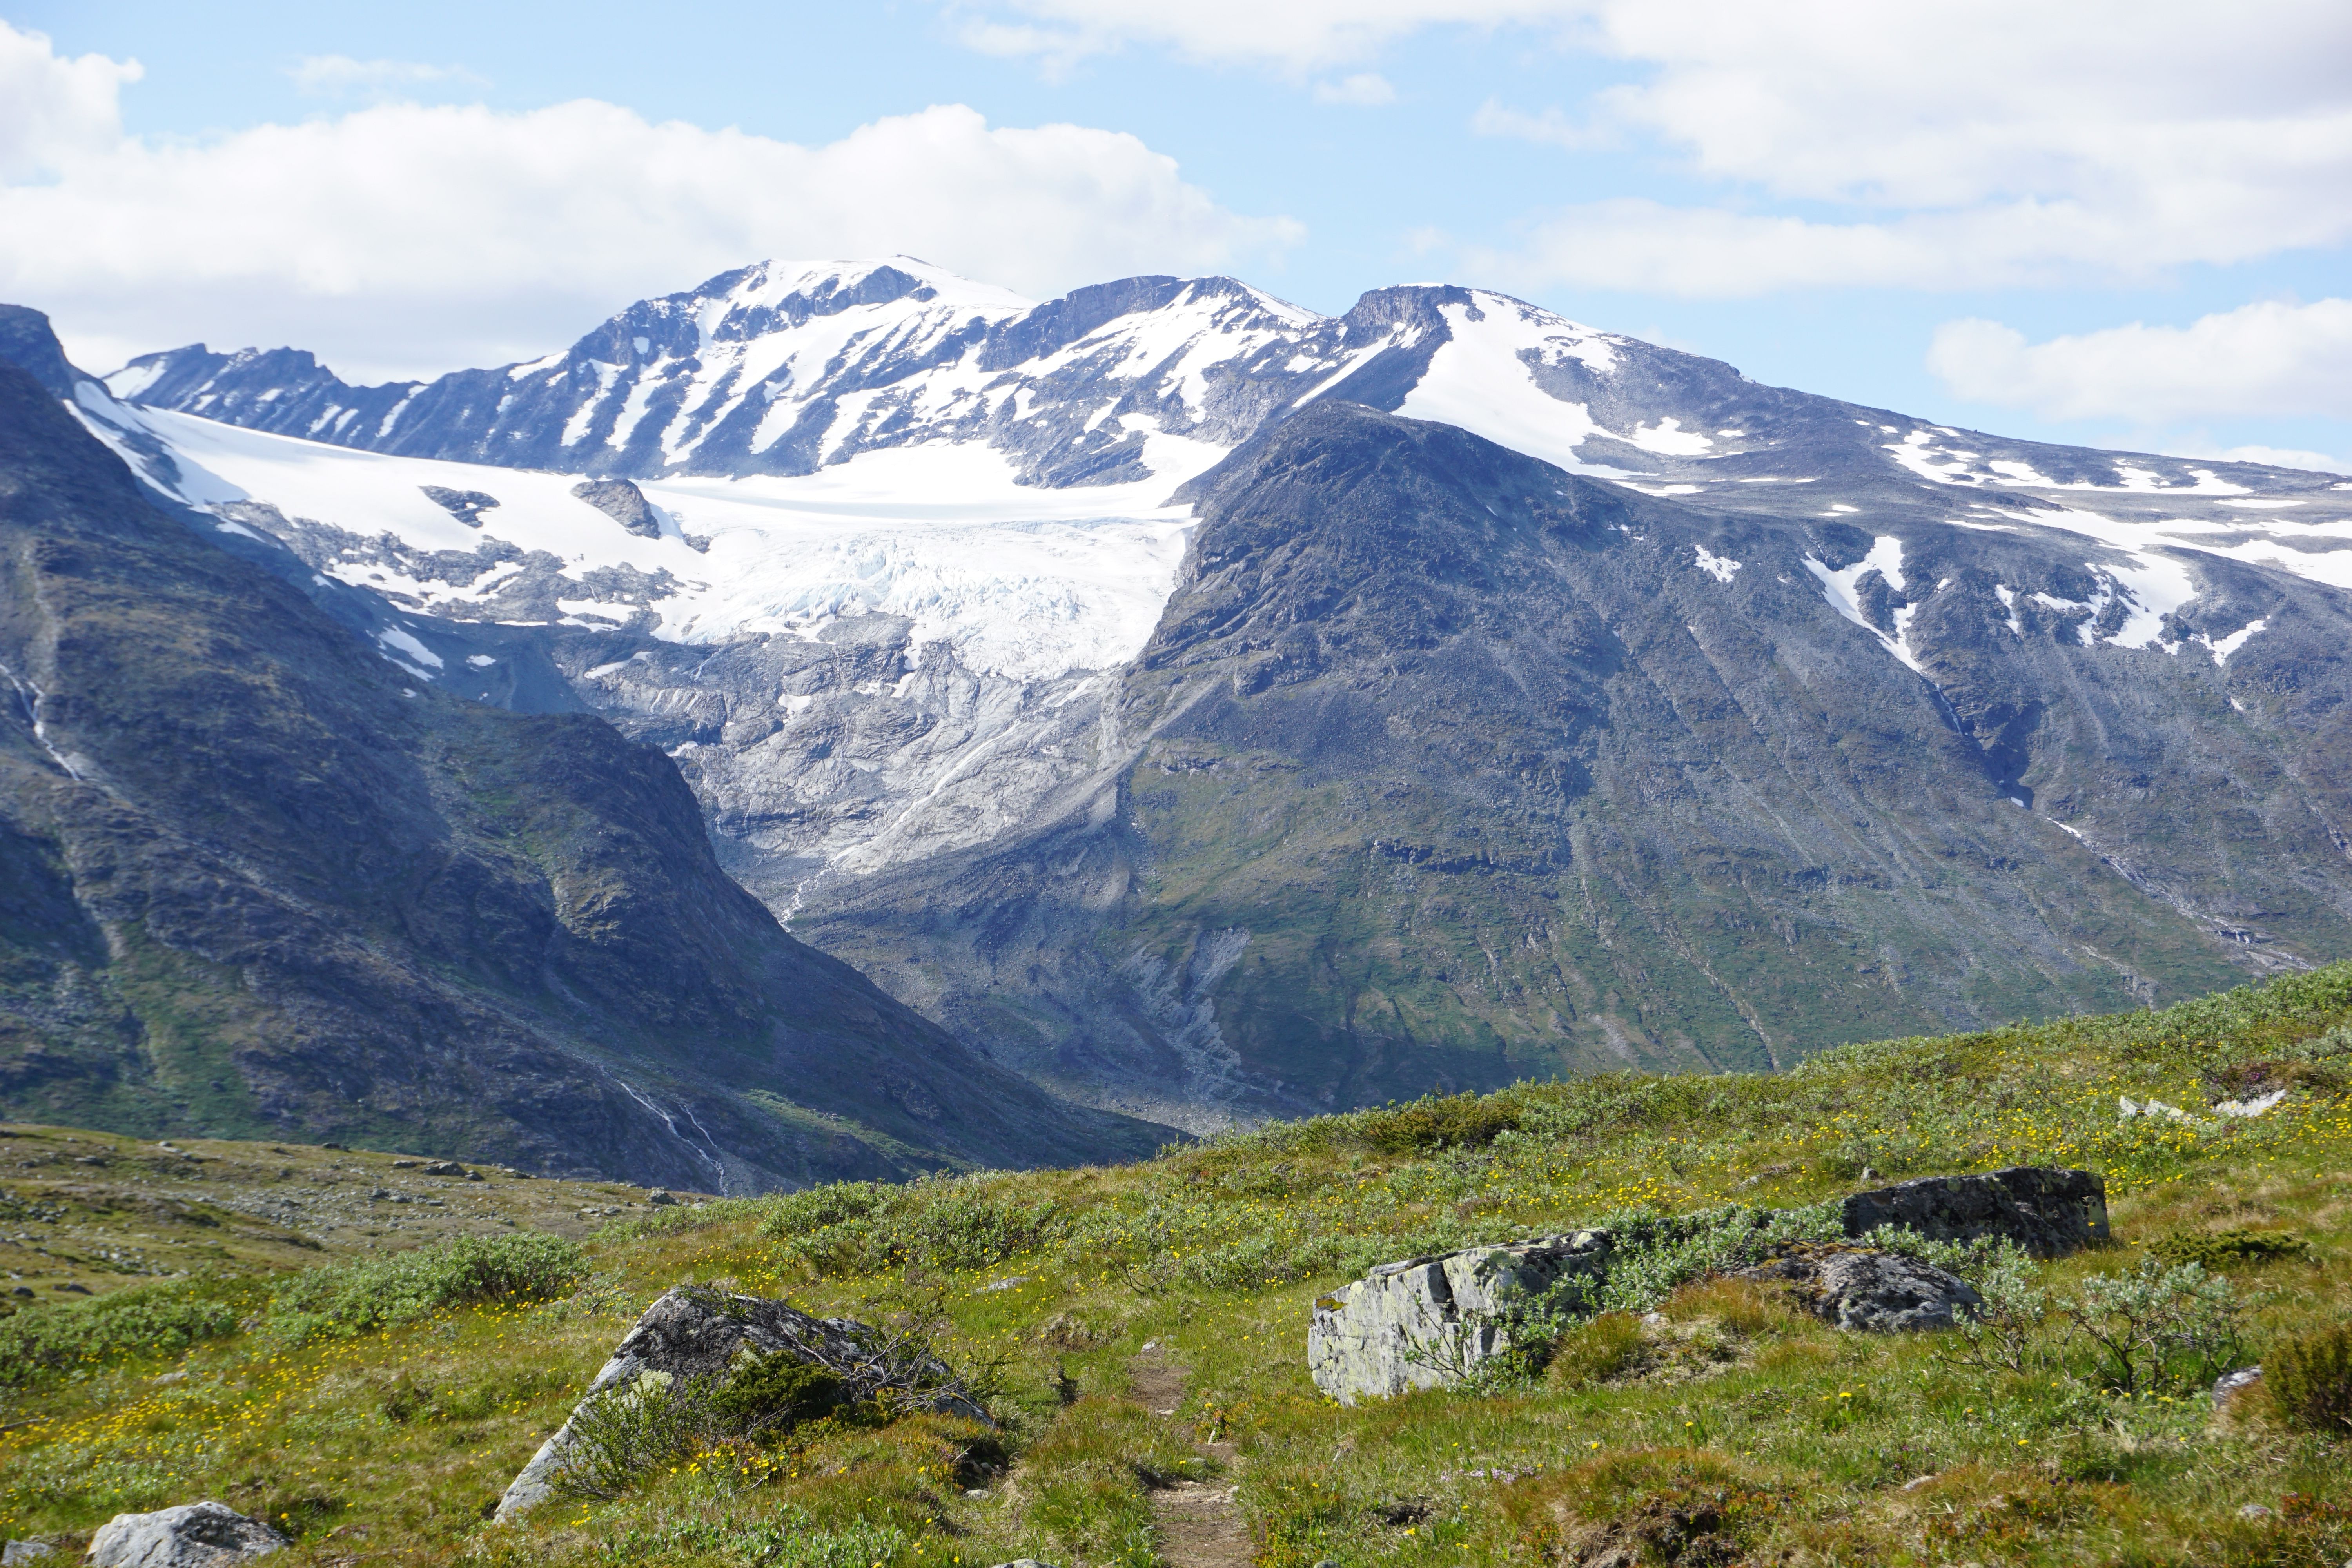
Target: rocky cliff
256, 878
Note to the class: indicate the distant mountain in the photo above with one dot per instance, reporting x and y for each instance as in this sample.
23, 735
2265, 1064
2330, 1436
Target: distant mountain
255, 880
1146, 685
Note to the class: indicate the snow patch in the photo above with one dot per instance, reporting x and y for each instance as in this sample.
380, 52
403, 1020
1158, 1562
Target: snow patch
1715, 566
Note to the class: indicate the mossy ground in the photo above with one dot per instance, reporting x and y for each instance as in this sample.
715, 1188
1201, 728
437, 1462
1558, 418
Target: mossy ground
1731, 1429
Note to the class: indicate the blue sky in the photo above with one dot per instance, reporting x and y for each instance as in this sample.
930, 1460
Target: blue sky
2112, 225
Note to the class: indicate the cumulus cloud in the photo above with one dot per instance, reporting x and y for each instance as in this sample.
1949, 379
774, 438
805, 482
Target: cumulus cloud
2263, 359
1978, 143
402, 238
1365, 90
51, 107
330, 74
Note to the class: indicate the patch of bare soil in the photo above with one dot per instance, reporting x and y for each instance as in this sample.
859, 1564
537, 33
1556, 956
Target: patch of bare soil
1201, 1525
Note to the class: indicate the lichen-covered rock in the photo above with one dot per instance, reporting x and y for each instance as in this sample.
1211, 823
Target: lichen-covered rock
1870, 1291
700, 1333
1431, 1321
193, 1535
2047, 1212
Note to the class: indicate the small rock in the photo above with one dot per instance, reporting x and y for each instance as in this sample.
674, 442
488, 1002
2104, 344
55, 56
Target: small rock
171, 1377
1915, 1482
22, 1291
2252, 1511
660, 1196
1871, 1292
1654, 1320
975, 1491
1024, 1563
404, 1164
18, 1552
1005, 1284
193, 1535
70, 1289
445, 1168
2233, 1386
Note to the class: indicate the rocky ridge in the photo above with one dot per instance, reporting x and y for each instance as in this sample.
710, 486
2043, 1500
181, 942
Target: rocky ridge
1820, 652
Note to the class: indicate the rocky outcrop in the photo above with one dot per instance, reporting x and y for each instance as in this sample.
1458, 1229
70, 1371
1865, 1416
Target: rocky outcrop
2049, 1213
1865, 1290
1432, 1321
622, 502
706, 1334
1428, 1321
193, 1535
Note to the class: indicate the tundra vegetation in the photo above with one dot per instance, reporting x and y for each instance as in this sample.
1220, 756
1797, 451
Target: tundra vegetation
374, 1406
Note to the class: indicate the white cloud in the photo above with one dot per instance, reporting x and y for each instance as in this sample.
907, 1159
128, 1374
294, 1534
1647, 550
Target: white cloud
1552, 127
1296, 36
1978, 143
402, 238
1365, 90
2262, 359
326, 74
51, 107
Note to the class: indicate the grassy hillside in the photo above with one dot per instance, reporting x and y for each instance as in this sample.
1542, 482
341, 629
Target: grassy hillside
1143, 1328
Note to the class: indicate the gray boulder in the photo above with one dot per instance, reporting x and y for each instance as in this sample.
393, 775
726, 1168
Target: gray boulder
16, 1553
1870, 1291
1432, 1321
2047, 1212
706, 1333
193, 1535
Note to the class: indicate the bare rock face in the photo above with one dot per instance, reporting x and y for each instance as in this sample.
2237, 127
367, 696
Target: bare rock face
1427, 1322
466, 506
622, 502
704, 1334
193, 1535
1867, 1290
2047, 1212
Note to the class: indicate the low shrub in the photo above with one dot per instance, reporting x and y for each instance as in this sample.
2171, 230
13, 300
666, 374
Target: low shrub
2218, 1250
342, 1299
2309, 1378
1461, 1120
947, 1224
45, 1341
2159, 1328
1593, 1352
1746, 1306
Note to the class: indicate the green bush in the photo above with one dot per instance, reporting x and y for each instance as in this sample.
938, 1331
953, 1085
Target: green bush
40, 1343
338, 1300
943, 1225
1462, 1121
2159, 1328
2217, 1249
2310, 1379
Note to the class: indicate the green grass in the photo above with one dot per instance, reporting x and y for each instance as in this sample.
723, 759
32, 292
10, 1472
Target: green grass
1726, 1427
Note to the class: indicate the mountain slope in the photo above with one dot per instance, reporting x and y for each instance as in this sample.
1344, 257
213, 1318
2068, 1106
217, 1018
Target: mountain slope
259, 879
1477, 800
1445, 768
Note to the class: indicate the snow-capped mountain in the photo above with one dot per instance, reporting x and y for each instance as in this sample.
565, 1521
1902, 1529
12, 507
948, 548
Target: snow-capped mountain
882, 557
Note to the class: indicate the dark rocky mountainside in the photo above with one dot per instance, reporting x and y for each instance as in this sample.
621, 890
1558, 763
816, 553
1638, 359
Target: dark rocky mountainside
256, 880
1531, 697
1446, 768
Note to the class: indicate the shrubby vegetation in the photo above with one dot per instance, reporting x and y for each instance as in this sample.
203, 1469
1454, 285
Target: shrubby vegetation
1689, 1417
155, 1321
340, 1300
